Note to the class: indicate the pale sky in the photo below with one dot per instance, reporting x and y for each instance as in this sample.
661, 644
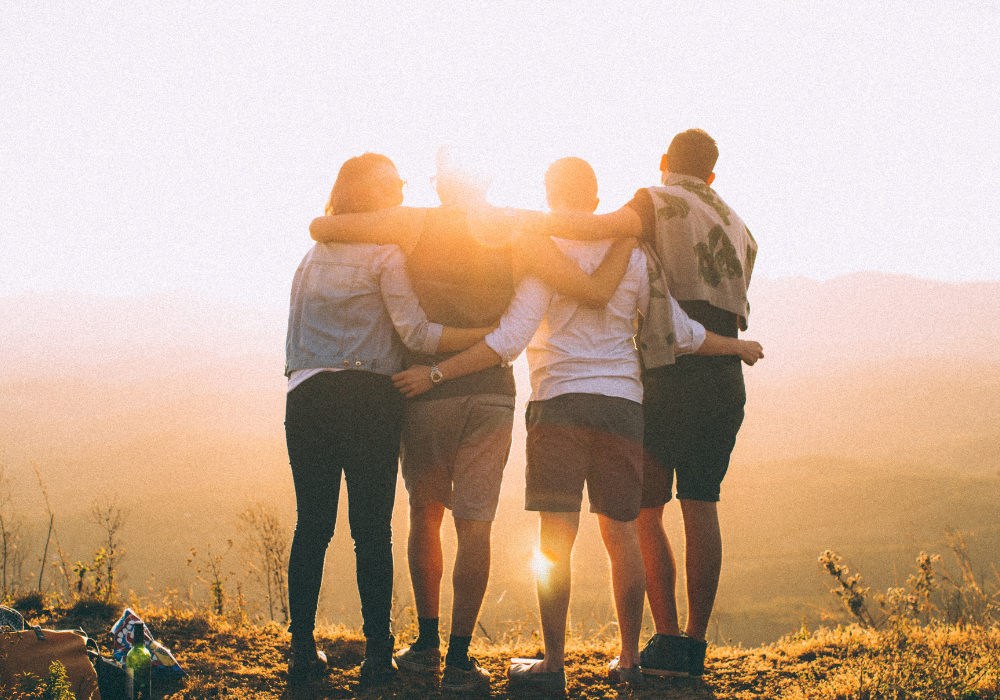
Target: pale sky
186, 146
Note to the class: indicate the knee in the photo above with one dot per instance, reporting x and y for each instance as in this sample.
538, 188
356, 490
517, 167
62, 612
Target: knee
473, 531
426, 517
313, 535
650, 520
368, 528
699, 512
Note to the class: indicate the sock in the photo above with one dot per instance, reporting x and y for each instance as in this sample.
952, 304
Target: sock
458, 652
428, 637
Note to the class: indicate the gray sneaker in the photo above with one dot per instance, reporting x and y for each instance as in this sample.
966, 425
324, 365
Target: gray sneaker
520, 675
427, 661
458, 679
666, 655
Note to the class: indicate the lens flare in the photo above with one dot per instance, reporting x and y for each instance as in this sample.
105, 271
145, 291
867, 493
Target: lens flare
541, 565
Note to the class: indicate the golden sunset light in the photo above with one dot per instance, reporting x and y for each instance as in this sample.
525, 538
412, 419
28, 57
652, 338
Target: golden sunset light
307, 436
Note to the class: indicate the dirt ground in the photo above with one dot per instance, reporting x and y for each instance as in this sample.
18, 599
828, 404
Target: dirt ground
248, 663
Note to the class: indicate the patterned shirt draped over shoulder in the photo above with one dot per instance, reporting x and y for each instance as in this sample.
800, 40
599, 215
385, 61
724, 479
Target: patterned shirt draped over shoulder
698, 249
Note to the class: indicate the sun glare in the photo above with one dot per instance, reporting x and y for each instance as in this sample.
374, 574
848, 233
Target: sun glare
541, 565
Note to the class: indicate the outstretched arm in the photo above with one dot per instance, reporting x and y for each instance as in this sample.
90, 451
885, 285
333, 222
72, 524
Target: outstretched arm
748, 350
692, 337
399, 225
540, 257
517, 326
417, 379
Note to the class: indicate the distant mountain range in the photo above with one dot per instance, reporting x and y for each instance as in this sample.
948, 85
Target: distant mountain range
805, 325
868, 365
866, 316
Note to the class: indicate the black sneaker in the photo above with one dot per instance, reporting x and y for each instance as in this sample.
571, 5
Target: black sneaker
696, 656
306, 667
620, 675
427, 661
666, 655
378, 668
376, 672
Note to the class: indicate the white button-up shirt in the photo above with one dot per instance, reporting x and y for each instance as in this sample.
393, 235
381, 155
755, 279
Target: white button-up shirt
575, 349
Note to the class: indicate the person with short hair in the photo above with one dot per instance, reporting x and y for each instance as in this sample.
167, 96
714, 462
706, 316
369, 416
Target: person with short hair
694, 408
584, 421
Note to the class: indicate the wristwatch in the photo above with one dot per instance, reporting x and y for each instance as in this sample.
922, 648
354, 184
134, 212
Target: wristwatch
436, 376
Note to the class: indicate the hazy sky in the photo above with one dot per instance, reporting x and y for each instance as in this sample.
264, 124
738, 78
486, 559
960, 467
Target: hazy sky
181, 145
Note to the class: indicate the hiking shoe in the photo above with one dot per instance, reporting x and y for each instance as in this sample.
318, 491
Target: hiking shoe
303, 670
426, 661
666, 655
376, 672
520, 675
620, 675
458, 679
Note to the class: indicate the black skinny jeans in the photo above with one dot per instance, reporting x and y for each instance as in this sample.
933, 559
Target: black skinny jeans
343, 422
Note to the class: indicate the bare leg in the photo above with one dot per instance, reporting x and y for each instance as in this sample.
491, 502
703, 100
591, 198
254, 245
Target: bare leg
702, 562
661, 571
425, 558
628, 579
557, 534
471, 574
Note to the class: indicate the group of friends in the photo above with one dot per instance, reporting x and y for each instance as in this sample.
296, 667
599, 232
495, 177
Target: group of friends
403, 326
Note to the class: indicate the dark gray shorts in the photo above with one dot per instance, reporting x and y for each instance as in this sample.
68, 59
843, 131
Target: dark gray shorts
578, 438
692, 414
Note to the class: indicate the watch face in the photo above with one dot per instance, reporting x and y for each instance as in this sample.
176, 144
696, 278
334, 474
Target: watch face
436, 375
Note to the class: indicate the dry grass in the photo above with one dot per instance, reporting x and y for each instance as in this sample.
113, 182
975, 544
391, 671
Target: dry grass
905, 661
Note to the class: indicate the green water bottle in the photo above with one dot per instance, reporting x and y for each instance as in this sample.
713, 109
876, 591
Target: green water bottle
137, 665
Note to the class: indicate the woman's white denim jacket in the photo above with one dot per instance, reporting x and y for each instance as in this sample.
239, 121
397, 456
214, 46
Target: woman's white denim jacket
348, 302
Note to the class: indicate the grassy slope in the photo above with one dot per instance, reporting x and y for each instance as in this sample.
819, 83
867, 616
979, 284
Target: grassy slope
248, 663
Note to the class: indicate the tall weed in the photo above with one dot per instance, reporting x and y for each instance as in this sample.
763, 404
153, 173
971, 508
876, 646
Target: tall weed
932, 594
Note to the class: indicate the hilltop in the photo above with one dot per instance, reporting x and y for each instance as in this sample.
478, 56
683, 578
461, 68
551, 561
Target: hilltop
248, 663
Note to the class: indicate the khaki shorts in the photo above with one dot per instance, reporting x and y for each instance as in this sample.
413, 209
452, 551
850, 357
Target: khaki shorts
455, 450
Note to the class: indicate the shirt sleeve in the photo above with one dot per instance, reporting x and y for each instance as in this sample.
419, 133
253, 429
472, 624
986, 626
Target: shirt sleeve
415, 330
642, 205
688, 333
521, 319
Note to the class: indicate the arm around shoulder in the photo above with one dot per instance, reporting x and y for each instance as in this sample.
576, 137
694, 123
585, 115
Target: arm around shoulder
397, 225
541, 258
578, 226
